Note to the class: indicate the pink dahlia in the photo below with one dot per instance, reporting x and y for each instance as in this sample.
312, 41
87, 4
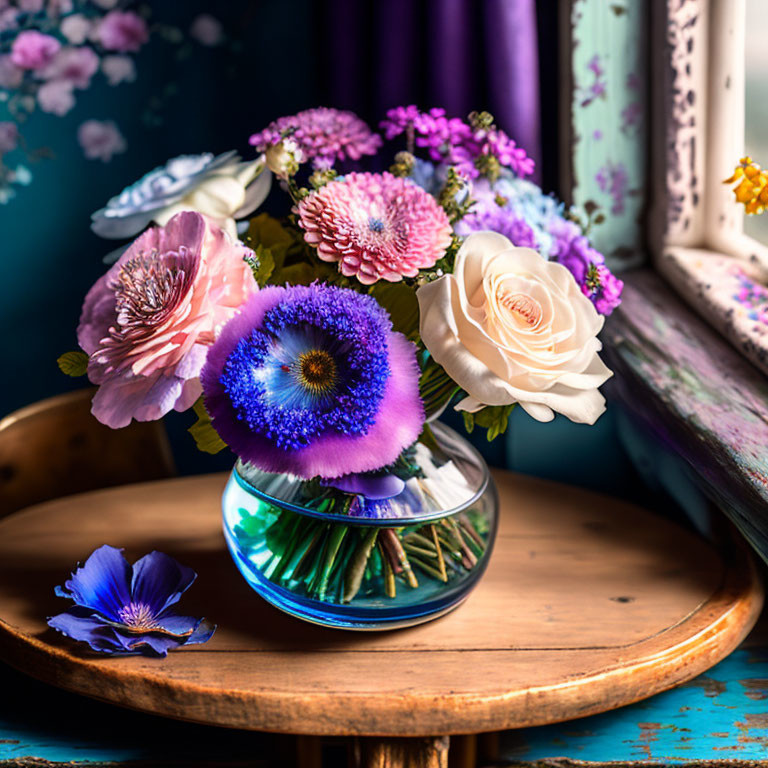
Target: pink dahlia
323, 135
376, 225
147, 324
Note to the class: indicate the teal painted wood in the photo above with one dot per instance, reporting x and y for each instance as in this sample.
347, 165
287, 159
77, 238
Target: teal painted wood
607, 141
720, 715
48, 724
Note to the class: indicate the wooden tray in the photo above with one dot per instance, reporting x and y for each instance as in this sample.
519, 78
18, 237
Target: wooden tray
588, 604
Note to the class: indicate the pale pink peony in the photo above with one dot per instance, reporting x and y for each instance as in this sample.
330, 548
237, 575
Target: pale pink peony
123, 31
376, 225
73, 65
33, 50
147, 324
56, 97
76, 28
100, 140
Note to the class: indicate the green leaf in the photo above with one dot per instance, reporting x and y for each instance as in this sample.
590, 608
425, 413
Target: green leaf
206, 437
266, 231
469, 421
262, 264
401, 303
73, 363
494, 418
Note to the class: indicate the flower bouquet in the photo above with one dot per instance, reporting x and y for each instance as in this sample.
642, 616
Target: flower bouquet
323, 346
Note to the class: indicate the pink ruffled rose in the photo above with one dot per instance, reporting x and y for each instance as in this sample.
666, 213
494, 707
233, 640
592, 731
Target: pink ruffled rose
123, 31
34, 50
148, 322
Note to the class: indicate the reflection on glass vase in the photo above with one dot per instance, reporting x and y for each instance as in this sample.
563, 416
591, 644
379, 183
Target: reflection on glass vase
378, 561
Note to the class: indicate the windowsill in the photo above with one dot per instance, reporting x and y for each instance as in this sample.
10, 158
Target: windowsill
679, 377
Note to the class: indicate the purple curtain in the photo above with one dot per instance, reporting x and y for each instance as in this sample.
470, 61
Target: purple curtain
459, 54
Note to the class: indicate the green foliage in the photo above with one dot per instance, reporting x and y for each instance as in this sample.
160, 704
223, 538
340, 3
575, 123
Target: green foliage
206, 437
262, 264
73, 363
401, 303
436, 387
493, 418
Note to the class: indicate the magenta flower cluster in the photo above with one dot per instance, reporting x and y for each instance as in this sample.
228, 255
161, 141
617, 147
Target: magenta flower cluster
453, 141
323, 135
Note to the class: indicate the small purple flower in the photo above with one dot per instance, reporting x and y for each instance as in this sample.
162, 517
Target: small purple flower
313, 381
614, 179
124, 609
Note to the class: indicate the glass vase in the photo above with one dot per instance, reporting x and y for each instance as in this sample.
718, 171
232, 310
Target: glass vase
384, 560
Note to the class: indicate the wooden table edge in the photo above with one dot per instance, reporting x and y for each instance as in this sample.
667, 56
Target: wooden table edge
687, 656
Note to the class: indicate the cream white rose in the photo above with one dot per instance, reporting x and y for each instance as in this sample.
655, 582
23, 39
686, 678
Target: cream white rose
509, 326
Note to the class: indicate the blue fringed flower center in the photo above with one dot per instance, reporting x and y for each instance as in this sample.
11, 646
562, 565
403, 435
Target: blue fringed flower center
318, 364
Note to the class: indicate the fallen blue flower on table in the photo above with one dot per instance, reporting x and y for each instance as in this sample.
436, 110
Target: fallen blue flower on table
121, 608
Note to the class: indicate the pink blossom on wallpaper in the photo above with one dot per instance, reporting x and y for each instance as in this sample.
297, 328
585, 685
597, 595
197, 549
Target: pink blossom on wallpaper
8, 19
76, 28
614, 180
31, 6
123, 31
633, 81
107, 5
594, 66
630, 115
9, 136
207, 30
56, 97
10, 75
73, 65
34, 50
118, 69
100, 140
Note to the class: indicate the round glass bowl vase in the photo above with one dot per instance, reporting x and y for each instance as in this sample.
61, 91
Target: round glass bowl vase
409, 550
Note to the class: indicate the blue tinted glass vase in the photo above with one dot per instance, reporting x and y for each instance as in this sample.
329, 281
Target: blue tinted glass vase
345, 560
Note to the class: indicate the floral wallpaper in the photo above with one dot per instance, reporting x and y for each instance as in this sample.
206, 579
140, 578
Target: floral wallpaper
608, 122
53, 51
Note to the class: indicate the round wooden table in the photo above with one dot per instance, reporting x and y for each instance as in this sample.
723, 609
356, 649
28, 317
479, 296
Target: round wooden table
588, 604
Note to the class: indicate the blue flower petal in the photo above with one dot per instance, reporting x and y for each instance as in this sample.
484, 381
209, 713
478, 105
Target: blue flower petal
179, 625
202, 634
149, 644
159, 581
80, 624
201, 629
103, 583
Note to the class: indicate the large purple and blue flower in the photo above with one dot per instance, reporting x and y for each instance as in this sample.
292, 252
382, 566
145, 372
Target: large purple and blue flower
121, 608
312, 381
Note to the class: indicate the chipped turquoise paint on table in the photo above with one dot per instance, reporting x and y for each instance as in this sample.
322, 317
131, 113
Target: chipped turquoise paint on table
720, 715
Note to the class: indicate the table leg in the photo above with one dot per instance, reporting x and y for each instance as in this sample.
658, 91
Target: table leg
404, 753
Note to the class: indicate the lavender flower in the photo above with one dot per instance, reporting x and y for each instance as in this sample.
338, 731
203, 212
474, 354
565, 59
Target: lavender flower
124, 609
312, 381
453, 141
